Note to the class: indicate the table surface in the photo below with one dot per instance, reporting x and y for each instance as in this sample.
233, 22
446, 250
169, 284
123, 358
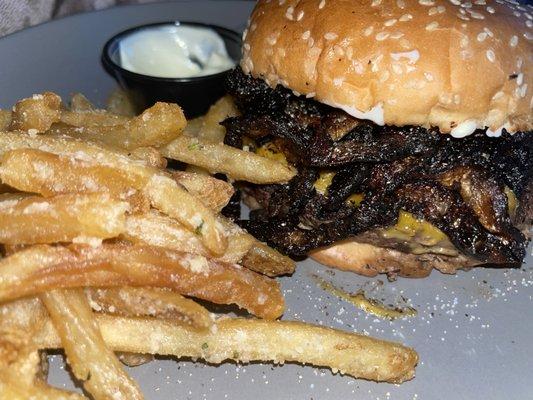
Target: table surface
472, 331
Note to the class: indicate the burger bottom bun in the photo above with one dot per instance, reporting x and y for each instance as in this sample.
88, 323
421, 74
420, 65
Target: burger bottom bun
369, 260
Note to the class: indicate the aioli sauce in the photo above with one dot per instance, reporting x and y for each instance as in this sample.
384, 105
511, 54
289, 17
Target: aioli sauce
370, 306
179, 51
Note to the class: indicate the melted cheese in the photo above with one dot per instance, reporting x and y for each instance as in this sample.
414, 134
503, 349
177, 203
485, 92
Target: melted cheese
420, 236
356, 199
323, 182
269, 150
410, 228
512, 201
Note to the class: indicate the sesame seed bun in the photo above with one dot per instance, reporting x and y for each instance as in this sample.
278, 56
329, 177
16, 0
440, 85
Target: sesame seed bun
454, 65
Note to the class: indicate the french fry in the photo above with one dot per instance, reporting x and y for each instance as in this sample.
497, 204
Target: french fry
120, 104
248, 340
65, 218
150, 155
164, 193
12, 389
22, 373
50, 174
37, 113
80, 103
92, 118
211, 130
238, 164
167, 196
197, 170
156, 126
213, 192
268, 261
149, 302
5, 120
91, 361
41, 268
155, 229
193, 126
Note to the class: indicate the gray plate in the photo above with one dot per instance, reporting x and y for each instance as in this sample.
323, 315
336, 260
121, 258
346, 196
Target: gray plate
473, 330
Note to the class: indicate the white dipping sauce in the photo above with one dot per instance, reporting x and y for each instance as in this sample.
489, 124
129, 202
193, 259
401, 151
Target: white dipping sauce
179, 51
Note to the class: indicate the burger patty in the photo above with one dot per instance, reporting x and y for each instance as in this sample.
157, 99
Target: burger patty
461, 186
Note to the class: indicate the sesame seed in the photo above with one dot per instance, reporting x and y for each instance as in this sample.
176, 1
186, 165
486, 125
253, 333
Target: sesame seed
322, 4
396, 35
497, 95
480, 2
466, 54
368, 31
463, 17
358, 67
529, 23
390, 22
426, 2
455, 2
519, 62
516, 14
375, 3
466, 5
490, 55
272, 39
481, 36
464, 42
406, 17
514, 41
432, 26
382, 36
289, 13
246, 47
428, 76
528, 35
520, 79
400, 4
330, 36
490, 10
349, 52
300, 15
281, 2
306, 35
488, 31
476, 15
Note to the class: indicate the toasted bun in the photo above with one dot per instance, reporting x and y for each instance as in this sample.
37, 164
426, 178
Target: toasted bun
430, 63
369, 260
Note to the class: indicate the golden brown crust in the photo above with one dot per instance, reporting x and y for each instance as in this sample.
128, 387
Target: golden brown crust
429, 63
369, 260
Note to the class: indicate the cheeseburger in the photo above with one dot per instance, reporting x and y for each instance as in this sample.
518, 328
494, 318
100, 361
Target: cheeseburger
409, 124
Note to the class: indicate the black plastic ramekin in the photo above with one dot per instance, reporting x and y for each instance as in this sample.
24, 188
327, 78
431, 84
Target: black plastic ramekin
193, 94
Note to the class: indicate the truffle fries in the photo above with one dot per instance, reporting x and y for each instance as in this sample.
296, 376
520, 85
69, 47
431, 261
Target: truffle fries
92, 362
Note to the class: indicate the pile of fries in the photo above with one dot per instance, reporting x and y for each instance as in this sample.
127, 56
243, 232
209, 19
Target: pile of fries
103, 249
